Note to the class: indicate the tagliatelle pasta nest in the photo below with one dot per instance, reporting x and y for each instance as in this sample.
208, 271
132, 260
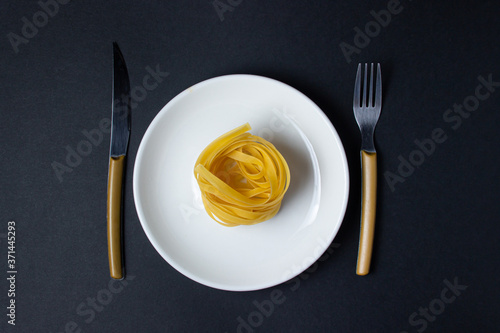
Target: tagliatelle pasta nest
242, 178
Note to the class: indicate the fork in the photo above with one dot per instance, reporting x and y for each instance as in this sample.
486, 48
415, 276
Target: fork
367, 114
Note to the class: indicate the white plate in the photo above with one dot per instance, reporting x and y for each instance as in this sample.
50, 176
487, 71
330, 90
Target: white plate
240, 258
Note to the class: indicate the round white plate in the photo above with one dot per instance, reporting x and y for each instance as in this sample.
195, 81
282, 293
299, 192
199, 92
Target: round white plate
168, 200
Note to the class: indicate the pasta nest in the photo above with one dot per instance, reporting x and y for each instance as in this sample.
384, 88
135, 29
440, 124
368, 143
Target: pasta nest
242, 177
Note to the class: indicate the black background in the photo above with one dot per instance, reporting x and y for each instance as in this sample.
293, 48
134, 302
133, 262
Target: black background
440, 224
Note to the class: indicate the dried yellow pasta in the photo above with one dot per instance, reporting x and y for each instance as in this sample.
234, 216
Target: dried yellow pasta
242, 178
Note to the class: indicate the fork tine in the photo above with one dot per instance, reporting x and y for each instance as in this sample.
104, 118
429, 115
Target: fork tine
357, 88
363, 103
370, 96
378, 94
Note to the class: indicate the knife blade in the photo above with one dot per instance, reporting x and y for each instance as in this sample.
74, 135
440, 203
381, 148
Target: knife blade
120, 134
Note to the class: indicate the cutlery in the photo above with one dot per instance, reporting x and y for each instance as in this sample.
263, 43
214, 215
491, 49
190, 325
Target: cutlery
120, 133
367, 112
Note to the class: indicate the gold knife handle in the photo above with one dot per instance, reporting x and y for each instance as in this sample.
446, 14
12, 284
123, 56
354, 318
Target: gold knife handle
115, 180
368, 209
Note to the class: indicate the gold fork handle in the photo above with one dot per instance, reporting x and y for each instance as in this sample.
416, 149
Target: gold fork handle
368, 209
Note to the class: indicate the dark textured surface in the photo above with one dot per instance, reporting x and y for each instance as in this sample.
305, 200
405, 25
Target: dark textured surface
439, 226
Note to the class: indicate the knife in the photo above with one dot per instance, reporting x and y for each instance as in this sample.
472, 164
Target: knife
120, 133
